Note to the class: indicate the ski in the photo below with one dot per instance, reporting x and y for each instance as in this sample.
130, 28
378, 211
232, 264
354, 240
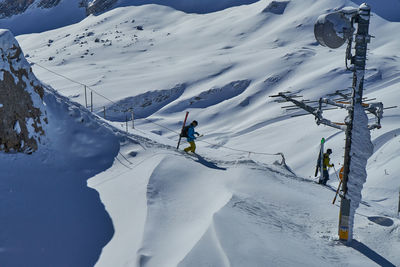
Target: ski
320, 161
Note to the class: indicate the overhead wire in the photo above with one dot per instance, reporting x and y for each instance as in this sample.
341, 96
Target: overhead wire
150, 121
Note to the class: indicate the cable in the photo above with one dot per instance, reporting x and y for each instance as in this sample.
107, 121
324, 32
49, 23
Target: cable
240, 150
77, 82
162, 126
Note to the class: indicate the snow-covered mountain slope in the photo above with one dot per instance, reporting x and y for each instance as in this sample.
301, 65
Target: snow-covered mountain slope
31, 16
187, 211
192, 61
48, 214
227, 208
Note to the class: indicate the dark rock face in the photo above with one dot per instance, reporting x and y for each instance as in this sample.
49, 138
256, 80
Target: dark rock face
48, 3
99, 6
9, 8
276, 7
21, 107
13, 7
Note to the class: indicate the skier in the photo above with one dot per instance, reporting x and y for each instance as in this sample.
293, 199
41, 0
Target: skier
190, 137
325, 165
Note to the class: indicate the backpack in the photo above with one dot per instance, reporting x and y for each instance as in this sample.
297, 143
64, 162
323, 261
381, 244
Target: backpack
185, 130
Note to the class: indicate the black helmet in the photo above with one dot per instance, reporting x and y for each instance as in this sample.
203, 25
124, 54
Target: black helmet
329, 151
194, 123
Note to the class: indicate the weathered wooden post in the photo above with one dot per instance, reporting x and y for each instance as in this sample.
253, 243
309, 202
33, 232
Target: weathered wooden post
91, 101
133, 120
86, 104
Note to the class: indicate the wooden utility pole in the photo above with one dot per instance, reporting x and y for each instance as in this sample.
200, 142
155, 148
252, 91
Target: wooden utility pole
133, 120
91, 101
398, 210
362, 39
327, 34
86, 105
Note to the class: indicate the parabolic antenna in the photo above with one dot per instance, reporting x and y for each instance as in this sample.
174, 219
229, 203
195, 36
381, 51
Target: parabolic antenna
332, 29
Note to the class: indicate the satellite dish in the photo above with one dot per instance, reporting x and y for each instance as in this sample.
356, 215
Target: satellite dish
333, 29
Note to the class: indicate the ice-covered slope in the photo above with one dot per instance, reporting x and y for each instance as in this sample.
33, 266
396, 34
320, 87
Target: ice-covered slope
222, 67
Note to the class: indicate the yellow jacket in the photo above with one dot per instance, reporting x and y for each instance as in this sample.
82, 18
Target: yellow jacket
326, 162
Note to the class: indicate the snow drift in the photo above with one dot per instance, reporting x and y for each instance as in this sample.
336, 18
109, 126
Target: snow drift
48, 214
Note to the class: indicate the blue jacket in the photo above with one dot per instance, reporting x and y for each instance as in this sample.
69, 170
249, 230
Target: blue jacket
191, 133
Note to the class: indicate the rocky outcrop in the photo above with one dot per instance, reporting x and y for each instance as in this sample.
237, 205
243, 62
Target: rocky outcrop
48, 3
22, 112
10, 8
99, 6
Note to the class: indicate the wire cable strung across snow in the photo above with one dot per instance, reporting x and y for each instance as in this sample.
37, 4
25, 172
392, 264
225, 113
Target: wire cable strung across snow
150, 121
77, 82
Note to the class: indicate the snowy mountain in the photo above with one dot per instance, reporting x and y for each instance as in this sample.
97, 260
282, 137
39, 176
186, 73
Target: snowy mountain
30, 16
98, 195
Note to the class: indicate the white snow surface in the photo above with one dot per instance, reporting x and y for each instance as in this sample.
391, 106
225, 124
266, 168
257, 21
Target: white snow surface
98, 196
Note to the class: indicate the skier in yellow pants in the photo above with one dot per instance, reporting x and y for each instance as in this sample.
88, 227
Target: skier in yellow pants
191, 137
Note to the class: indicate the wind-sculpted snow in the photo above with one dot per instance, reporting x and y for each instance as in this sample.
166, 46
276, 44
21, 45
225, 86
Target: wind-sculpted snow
143, 105
192, 6
212, 96
49, 216
229, 208
177, 214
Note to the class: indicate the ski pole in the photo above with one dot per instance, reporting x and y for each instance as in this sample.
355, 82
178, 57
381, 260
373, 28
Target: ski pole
336, 173
337, 191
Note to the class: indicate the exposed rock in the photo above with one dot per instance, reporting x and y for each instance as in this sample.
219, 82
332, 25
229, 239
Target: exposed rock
48, 3
13, 7
22, 112
99, 6
276, 7
10, 8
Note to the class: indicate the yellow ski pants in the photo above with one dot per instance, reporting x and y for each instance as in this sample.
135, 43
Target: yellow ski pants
191, 148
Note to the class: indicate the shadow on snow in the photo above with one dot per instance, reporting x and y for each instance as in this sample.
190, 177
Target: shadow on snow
51, 218
372, 255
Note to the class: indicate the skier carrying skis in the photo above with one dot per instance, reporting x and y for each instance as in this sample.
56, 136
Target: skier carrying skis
325, 165
190, 137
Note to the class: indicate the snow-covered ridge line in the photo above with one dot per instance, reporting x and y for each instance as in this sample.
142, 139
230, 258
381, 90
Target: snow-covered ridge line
149, 205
